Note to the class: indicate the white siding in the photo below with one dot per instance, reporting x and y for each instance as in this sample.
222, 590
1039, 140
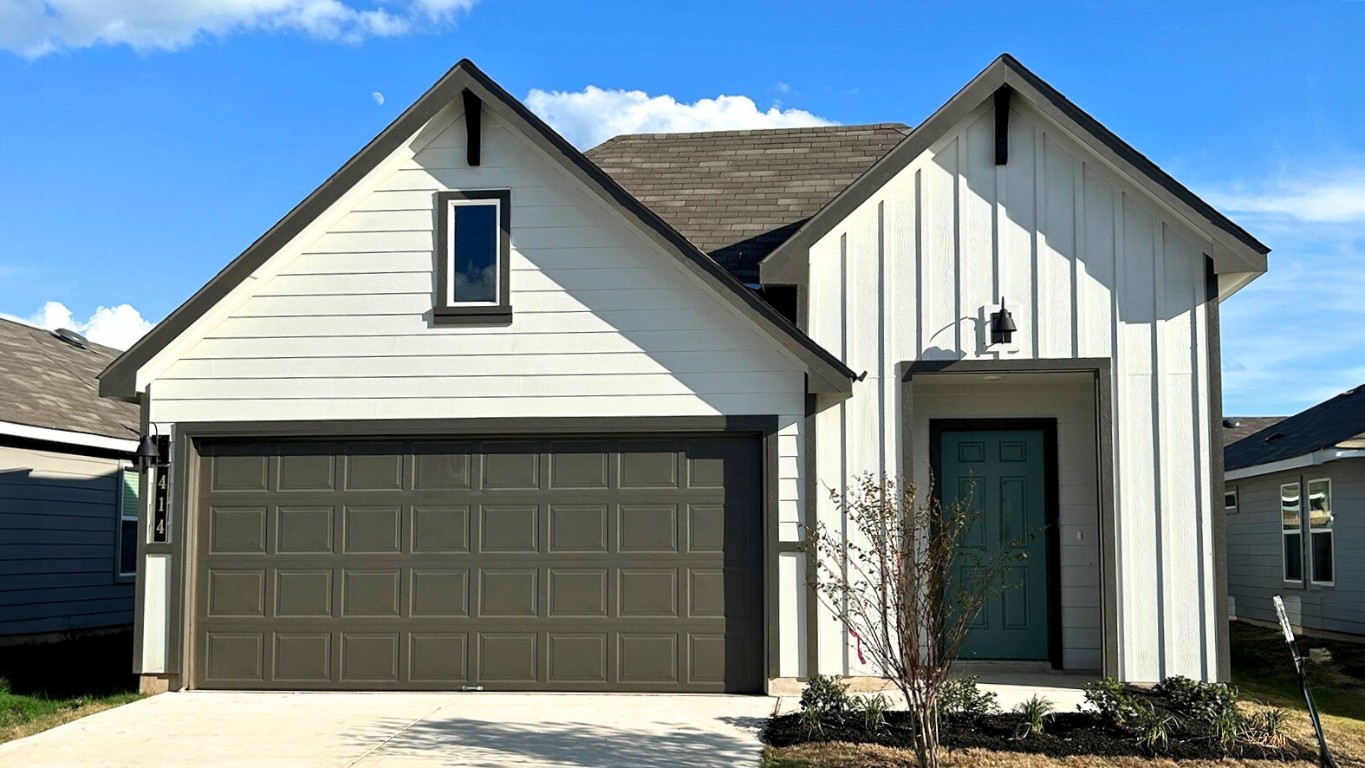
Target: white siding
1090, 267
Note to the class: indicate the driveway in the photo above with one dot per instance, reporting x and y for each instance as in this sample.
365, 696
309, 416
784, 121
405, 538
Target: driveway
479, 730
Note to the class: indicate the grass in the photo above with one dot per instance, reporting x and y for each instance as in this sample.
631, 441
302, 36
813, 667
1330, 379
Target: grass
1261, 669
45, 686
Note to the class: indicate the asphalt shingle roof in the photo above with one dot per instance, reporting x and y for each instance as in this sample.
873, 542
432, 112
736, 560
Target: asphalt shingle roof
1322, 426
1245, 426
46, 382
737, 195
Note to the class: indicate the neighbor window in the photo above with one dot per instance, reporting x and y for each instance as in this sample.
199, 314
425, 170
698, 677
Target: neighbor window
127, 530
1320, 531
473, 249
1230, 501
1292, 529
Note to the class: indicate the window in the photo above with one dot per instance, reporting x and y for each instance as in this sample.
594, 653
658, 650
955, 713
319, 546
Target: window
127, 530
1291, 518
1320, 520
474, 230
1230, 501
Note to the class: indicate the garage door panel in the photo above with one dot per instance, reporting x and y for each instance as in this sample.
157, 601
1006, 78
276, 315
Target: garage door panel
581, 564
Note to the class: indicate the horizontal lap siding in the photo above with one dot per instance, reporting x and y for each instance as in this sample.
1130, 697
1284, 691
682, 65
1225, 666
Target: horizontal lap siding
58, 540
1255, 557
1089, 269
603, 324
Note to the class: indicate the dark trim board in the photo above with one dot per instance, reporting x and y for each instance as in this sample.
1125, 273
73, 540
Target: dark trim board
1051, 513
181, 658
1104, 448
827, 372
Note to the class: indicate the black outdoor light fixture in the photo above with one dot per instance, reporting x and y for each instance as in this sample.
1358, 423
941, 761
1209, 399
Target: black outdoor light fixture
1002, 325
148, 453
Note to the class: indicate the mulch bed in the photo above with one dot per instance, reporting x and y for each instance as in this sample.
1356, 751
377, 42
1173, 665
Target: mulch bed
1067, 734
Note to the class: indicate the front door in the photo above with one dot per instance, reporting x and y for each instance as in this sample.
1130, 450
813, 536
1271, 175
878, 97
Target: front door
1002, 474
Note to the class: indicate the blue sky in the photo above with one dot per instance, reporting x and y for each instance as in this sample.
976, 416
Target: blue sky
147, 144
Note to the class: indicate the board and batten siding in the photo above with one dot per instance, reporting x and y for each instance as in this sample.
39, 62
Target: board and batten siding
1090, 268
605, 324
1255, 558
59, 523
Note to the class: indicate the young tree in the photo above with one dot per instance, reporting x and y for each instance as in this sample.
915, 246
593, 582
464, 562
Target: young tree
906, 589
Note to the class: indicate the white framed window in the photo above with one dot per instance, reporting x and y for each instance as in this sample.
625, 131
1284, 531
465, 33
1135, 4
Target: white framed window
1230, 501
1291, 530
1321, 558
474, 249
127, 530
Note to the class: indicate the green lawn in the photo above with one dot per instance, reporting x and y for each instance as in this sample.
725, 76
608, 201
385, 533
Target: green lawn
47, 685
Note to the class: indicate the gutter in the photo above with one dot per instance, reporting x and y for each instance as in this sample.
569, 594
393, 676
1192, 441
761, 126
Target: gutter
1316, 458
66, 437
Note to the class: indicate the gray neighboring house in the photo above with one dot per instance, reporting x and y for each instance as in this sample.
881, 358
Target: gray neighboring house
1286, 478
68, 490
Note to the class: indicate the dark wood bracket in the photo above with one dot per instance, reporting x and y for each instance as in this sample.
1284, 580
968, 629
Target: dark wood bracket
1002, 125
473, 124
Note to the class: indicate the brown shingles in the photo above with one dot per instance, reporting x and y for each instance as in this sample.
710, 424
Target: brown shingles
46, 382
739, 194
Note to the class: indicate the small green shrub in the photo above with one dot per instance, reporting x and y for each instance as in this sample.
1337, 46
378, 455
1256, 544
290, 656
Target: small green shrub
873, 711
1267, 728
962, 699
1113, 700
1034, 713
826, 698
1208, 704
1151, 727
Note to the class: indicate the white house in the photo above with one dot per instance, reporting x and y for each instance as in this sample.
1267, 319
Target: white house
485, 410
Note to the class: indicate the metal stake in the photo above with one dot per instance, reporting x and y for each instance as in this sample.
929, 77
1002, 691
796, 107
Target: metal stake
1324, 753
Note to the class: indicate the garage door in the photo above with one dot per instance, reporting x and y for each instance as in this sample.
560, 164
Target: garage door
625, 564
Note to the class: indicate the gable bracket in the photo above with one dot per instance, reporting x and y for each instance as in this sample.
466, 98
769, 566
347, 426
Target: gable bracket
473, 125
1002, 125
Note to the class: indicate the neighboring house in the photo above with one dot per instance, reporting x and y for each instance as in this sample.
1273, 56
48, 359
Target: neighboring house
485, 410
1285, 483
68, 490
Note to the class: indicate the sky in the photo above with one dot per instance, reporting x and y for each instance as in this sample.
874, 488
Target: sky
144, 145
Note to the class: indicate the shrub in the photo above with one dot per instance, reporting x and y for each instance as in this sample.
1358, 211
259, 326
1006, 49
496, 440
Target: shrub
962, 699
1113, 700
826, 699
1267, 728
1209, 704
1151, 727
1034, 713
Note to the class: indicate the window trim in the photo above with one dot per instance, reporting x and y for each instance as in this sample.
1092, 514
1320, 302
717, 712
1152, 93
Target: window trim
125, 516
1284, 562
1311, 530
1234, 508
472, 313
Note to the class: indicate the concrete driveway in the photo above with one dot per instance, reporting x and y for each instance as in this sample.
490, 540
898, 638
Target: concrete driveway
480, 730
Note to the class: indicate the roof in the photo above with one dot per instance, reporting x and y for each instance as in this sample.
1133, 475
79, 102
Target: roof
737, 195
1232, 248
46, 382
826, 372
1237, 427
1323, 426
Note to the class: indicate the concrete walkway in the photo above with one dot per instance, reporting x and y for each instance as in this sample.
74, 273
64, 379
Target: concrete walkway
478, 730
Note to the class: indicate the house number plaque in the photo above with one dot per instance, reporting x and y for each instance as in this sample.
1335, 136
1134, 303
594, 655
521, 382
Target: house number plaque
161, 495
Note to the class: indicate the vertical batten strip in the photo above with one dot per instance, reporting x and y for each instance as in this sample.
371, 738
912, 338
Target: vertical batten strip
1119, 385
1158, 482
1039, 240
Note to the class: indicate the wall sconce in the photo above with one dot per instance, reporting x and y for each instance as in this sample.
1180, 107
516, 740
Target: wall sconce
147, 451
1002, 325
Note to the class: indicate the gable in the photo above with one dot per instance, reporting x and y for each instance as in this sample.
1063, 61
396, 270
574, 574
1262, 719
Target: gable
1233, 250
382, 157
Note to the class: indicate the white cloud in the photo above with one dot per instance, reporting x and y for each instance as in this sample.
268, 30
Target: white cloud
1334, 198
33, 28
378, 98
118, 327
593, 115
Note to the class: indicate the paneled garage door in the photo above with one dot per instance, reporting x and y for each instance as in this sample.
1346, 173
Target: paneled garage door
614, 564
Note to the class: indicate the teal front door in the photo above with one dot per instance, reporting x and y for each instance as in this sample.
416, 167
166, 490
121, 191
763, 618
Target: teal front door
1002, 475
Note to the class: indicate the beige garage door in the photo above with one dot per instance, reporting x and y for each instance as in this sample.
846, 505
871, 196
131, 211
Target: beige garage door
612, 564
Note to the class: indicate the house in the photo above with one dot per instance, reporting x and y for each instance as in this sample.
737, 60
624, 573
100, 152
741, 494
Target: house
68, 489
1284, 484
485, 410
